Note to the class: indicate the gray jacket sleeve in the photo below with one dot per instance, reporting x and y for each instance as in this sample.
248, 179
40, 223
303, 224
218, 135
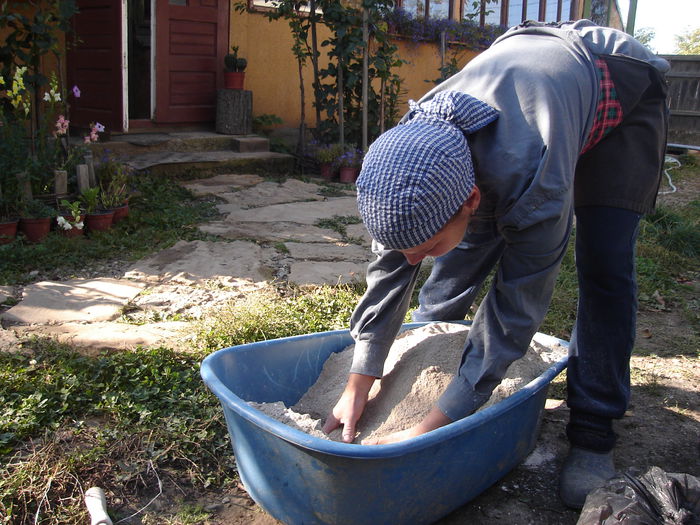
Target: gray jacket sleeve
379, 314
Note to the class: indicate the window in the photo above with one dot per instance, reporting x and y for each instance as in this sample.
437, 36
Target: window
428, 8
513, 12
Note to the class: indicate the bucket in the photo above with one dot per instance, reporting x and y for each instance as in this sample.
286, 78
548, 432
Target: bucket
298, 478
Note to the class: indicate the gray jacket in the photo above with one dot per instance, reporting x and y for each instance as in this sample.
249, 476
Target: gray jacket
544, 84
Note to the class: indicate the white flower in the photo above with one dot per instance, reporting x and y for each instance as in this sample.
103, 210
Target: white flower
57, 97
47, 97
79, 225
63, 223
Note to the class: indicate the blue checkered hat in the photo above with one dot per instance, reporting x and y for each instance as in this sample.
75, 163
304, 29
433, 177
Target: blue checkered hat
415, 176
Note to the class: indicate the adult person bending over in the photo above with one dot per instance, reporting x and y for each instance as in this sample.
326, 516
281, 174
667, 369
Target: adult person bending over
488, 169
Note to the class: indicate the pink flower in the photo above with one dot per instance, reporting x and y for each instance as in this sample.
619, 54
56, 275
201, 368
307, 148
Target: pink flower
76, 92
61, 126
86, 140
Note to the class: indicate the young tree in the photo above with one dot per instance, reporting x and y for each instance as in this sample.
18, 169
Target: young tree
645, 35
688, 43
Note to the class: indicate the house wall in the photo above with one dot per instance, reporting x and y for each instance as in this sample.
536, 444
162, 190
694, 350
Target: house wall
272, 73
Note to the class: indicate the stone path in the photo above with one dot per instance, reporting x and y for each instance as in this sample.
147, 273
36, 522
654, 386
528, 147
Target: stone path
268, 231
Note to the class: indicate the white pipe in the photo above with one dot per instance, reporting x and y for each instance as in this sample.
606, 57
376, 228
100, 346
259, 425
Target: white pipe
96, 504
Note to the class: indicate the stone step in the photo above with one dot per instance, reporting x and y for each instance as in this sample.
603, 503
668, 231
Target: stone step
194, 153
201, 163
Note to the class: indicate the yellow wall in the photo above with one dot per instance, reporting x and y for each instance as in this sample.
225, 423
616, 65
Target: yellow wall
272, 72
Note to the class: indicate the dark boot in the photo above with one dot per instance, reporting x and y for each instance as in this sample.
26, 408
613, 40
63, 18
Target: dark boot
583, 471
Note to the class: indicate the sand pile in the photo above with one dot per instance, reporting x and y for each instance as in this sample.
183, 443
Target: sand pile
419, 367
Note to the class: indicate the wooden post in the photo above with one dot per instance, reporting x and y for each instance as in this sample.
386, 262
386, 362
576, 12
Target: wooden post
83, 177
365, 75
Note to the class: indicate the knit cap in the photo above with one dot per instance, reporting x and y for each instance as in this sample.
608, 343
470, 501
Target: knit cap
415, 176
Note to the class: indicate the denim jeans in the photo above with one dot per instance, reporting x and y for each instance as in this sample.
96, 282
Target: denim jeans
598, 375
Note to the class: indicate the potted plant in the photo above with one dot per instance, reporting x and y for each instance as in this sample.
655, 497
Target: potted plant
35, 220
70, 221
114, 177
96, 217
350, 163
326, 155
8, 220
234, 74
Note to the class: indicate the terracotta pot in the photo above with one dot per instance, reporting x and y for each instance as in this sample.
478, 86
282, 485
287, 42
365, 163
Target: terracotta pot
99, 221
234, 79
348, 174
35, 230
121, 213
8, 231
327, 171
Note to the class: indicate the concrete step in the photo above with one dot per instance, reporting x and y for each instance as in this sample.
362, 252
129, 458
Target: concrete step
194, 153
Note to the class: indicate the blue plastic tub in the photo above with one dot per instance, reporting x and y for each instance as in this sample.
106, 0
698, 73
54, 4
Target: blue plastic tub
300, 479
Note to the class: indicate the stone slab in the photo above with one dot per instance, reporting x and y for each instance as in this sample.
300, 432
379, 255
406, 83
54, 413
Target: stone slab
324, 272
200, 261
114, 336
9, 342
225, 183
328, 252
86, 300
269, 193
298, 212
186, 301
5, 293
270, 231
358, 231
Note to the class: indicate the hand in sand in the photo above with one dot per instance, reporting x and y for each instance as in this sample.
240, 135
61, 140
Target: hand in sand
350, 406
434, 419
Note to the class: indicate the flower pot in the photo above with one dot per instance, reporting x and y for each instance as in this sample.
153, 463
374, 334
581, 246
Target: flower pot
99, 221
234, 79
348, 174
327, 171
35, 230
8, 230
121, 213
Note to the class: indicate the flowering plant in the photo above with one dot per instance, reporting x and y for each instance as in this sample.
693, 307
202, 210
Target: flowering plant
328, 153
75, 220
352, 158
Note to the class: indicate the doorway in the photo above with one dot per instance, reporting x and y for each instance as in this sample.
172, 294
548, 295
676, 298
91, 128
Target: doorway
139, 53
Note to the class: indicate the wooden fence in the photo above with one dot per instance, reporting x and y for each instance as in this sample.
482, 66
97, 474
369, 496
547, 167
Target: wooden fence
684, 99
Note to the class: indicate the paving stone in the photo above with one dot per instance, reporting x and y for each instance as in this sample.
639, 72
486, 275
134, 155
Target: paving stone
5, 293
269, 193
9, 342
270, 231
75, 300
358, 231
114, 336
324, 272
192, 302
218, 184
298, 212
198, 261
328, 252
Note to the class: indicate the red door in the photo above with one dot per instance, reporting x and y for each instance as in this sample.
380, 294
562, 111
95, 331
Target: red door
191, 41
94, 64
